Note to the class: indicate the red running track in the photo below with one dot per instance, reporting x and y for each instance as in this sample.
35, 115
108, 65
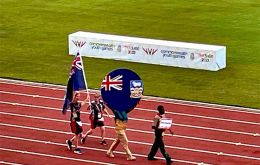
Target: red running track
33, 130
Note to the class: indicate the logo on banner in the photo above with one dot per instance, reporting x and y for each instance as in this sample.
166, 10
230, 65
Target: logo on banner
174, 54
79, 44
136, 88
192, 56
131, 49
150, 51
102, 46
119, 48
115, 83
205, 56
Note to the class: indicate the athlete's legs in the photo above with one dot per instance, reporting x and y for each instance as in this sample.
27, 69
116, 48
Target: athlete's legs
102, 130
112, 148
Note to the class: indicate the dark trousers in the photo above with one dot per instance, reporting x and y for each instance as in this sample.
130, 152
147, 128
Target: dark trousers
158, 143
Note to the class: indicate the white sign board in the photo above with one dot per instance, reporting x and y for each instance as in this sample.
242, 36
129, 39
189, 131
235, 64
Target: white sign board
160, 52
165, 123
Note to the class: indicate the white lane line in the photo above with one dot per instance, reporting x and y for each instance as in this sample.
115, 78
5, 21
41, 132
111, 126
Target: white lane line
141, 143
30, 95
32, 84
204, 117
202, 105
150, 132
10, 163
88, 148
148, 98
54, 156
143, 109
135, 142
144, 120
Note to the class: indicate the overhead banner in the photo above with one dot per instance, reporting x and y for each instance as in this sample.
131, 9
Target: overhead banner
150, 51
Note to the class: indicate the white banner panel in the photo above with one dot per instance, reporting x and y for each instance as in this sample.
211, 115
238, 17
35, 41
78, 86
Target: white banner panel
169, 53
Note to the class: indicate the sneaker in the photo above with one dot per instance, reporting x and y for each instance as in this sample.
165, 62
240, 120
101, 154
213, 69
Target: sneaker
83, 140
69, 144
110, 154
168, 162
103, 142
131, 158
77, 151
152, 158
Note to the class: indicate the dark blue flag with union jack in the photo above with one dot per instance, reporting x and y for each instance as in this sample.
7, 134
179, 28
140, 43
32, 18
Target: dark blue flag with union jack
76, 81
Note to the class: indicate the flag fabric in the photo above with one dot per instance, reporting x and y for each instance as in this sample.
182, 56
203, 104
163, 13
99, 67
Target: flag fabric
76, 81
115, 83
121, 90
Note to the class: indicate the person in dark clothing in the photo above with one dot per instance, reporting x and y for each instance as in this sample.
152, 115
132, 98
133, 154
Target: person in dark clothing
158, 141
75, 122
97, 108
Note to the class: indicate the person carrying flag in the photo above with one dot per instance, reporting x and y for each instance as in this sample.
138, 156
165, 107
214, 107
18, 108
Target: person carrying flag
75, 122
97, 108
121, 90
158, 141
76, 83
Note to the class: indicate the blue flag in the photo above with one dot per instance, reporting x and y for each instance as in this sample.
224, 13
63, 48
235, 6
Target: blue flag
76, 81
121, 90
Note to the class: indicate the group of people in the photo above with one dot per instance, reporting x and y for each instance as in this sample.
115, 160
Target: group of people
97, 108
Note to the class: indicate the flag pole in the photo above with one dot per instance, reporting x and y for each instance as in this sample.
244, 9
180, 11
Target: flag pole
85, 81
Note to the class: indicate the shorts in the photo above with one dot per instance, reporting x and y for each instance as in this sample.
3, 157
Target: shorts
97, 123
75, 127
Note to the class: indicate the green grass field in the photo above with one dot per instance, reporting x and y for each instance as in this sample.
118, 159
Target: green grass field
33, 38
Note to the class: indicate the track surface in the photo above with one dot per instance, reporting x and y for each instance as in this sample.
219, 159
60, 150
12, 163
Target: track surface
33, 130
